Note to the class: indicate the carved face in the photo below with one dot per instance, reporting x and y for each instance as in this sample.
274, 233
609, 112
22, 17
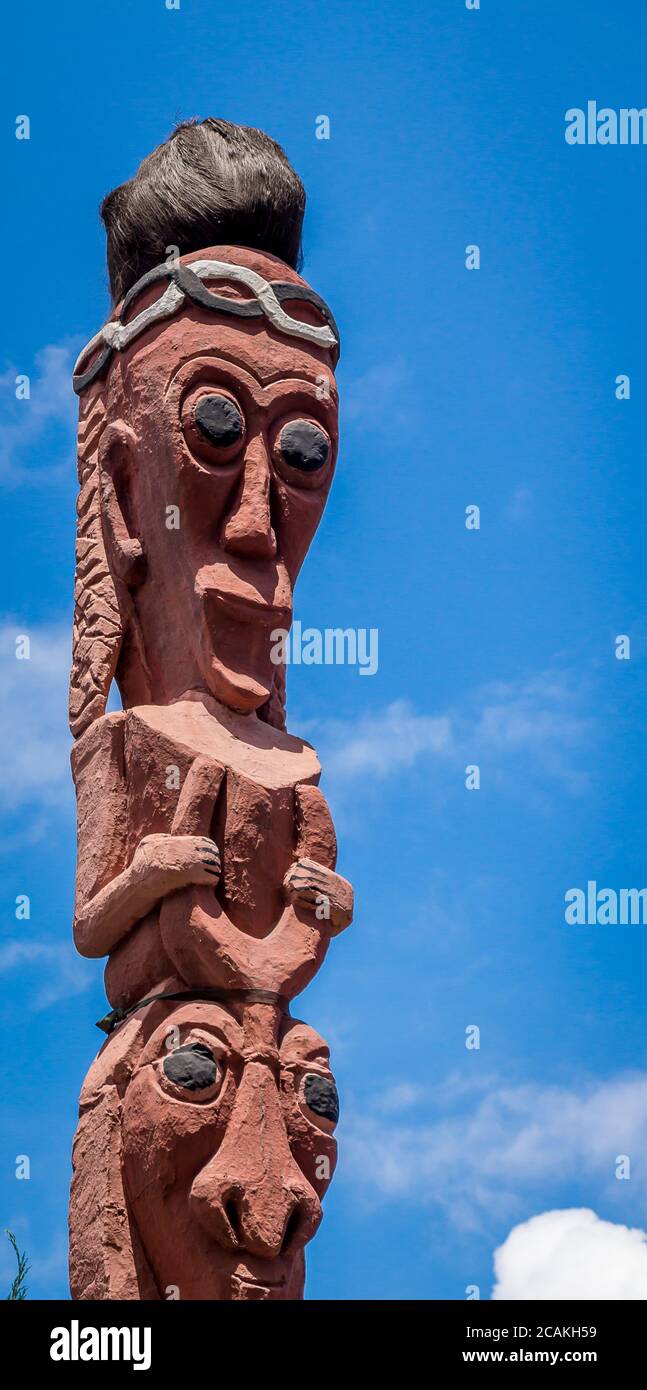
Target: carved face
222, 475
227, 1150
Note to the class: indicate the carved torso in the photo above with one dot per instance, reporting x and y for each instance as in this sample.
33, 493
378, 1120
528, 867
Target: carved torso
129, 769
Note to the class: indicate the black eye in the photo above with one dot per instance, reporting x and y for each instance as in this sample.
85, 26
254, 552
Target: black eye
219, 420
304, 446
194, 1067
320, 1094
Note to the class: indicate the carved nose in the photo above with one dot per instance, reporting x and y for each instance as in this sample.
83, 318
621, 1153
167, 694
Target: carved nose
248, 529
252, 1196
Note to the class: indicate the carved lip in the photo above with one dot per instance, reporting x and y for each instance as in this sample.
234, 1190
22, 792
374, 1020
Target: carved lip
246, 609
260, 1283
243, 1275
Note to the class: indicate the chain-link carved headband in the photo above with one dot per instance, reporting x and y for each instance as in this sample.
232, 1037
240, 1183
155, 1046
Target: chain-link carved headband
185, 282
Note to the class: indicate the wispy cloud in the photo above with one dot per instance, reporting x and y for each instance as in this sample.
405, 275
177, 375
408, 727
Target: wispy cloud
539, 719
519, 505
482, 1159
381, 744
50, 970
33, 713
47, 419
390, 383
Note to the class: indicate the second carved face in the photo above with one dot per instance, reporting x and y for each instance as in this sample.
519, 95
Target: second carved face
227, 1139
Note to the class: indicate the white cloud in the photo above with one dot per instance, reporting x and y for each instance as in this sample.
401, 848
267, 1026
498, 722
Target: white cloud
571, 1254
51, 408
400, 1097
33, 713
542, 712
382, 744
390, 383
537, 720
52, 970
520, 503
483, 1158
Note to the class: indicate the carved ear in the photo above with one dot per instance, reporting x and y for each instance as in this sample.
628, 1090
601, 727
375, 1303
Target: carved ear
116, 460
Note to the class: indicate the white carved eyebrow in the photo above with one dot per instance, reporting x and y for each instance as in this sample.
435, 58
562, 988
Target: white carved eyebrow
295, 328
117, 335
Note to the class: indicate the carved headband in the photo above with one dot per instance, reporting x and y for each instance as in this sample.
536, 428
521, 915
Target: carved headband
217, 996
185, 282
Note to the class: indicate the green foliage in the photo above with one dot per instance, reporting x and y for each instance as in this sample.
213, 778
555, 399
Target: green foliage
18, 1288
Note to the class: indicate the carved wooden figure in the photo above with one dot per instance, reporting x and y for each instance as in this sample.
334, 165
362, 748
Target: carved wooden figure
206, 865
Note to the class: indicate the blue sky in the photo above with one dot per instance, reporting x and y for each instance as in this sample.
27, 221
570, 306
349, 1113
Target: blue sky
492, 387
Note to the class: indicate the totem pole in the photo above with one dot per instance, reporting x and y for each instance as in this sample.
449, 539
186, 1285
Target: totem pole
206, 852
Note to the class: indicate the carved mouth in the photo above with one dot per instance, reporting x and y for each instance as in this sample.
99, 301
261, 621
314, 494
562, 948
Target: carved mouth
251, 1286
260, 1283
245, 609
262, 1274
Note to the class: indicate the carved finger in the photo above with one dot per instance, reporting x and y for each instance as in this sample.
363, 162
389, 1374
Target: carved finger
198, 797
316, 834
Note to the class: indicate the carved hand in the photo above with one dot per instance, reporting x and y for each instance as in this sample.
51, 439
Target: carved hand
314, 886
160, 865
175, 861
